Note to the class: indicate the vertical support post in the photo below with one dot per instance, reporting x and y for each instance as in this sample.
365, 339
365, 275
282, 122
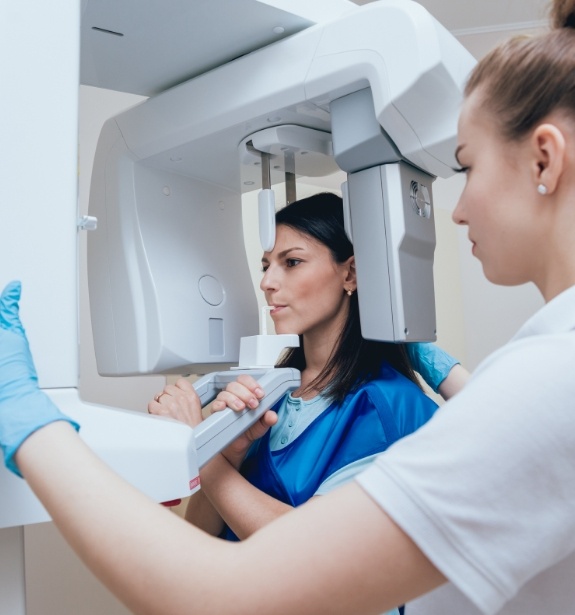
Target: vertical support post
289, 164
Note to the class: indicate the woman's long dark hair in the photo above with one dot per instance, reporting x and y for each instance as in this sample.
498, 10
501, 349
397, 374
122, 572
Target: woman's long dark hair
355, 360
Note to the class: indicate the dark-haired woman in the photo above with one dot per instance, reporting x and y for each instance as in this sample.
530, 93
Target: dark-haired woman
356, 396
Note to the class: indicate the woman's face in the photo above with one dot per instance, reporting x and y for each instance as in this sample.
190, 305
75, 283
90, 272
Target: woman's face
499, 198
304, 285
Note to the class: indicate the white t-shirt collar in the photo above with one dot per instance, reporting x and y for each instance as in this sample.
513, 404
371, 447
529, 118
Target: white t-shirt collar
557, 316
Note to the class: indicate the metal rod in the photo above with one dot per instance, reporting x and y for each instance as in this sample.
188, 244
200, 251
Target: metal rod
266, 173
289, 160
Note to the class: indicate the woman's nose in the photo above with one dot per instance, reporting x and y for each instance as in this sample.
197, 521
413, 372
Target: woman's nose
458, 215
269, 279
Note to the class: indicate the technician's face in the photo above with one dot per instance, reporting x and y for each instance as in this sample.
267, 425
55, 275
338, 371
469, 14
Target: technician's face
304, 285
496, 199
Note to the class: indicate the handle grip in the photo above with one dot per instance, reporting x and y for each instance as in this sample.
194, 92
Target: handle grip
222, 428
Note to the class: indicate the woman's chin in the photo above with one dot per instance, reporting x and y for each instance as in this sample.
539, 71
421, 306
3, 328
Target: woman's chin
284, 329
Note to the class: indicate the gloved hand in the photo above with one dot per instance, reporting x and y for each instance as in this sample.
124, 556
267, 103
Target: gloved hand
431, 362
24, 408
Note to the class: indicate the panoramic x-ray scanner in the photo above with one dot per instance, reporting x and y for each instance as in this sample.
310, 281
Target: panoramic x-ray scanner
242, 95
374, 92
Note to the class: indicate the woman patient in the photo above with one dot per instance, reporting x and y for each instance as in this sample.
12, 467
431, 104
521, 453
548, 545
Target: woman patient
356, 397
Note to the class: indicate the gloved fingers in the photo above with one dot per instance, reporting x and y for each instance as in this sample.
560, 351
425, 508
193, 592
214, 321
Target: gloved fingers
18, 371
10, 308
431, 362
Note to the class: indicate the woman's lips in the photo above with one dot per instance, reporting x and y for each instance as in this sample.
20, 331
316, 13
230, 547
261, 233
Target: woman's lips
276, 309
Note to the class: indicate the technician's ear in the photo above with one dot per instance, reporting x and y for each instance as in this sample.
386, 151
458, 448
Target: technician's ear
549, 156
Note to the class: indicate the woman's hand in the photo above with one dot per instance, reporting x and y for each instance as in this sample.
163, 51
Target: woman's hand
243, 393
178, 401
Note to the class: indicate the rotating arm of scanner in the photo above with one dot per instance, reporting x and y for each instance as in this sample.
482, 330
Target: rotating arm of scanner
215, 433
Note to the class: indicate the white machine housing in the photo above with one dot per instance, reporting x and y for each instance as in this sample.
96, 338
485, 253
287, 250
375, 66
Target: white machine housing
170, 289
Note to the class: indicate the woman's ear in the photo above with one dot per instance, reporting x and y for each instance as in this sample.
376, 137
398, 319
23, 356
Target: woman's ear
549, 150
350, 278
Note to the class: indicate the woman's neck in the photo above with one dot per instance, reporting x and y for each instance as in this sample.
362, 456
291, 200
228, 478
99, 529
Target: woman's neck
318, 348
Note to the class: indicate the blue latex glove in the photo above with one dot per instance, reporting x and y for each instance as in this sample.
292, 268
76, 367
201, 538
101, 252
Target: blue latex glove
24, 408
431, 362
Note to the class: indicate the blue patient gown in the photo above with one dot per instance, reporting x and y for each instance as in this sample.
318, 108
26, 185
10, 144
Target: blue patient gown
366, 423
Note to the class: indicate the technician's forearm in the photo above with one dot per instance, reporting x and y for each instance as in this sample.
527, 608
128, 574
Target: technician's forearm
133, 545
158, 564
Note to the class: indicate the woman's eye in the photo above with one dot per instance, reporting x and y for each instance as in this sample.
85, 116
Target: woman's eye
292, 262
462, 170
264, 268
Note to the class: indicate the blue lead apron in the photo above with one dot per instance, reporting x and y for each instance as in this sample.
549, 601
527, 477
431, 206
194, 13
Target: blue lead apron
367, 422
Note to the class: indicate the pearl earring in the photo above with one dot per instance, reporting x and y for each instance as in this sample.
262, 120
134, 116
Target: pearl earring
542, 189
349, 293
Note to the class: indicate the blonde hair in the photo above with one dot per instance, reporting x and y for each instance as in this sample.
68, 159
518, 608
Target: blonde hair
526, 78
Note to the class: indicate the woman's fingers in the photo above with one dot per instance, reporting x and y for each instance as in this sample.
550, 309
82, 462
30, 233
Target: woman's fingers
245, 392
178, 401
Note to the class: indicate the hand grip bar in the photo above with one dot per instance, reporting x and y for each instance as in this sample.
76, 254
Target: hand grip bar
222, 428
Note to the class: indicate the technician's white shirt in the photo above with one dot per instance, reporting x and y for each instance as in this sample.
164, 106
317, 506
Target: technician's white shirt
487, 488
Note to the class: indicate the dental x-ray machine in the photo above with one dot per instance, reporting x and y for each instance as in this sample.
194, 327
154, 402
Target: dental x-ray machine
373, 91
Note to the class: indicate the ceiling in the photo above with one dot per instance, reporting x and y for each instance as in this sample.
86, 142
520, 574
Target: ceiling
466, 15
480, 25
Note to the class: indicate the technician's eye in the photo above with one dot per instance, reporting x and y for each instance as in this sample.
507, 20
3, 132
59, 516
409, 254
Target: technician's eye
264, 268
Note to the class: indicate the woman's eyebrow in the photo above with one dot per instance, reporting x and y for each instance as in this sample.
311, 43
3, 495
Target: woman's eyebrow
283, 253
286, 252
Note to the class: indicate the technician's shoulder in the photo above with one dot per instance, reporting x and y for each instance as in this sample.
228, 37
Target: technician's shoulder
522, 394
537, 366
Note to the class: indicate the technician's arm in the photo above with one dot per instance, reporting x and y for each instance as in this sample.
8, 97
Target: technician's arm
158, 564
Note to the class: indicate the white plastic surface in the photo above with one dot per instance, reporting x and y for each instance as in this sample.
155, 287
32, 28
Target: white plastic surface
146, 47
391, 297
264, 350
154, 454
39, 168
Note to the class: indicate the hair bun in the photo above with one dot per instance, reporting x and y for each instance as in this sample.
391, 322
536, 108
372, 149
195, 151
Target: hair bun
562, 14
